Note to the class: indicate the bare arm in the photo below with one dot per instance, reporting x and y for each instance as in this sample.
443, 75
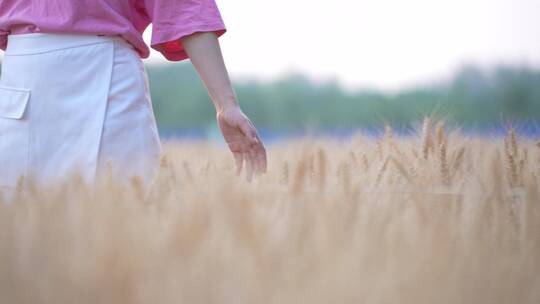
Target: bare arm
241, 136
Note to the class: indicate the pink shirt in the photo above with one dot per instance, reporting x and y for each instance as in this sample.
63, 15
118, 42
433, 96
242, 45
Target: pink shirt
171, 19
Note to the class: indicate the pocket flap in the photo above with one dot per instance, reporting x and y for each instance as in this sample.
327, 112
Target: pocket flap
13, 102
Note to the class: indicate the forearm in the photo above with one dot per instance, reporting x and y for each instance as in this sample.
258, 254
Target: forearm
238, 131
205, 54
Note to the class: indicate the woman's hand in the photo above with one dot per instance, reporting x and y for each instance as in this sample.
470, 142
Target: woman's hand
243, 141
241, 136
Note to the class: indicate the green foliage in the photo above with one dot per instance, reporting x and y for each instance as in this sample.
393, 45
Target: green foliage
473, 97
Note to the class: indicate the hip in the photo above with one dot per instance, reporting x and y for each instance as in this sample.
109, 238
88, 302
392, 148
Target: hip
65, 102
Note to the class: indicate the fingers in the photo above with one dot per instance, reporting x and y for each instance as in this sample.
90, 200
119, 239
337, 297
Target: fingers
258, 158
259, 153
251, 151
239, 160
249, 166
254, 159
261, 158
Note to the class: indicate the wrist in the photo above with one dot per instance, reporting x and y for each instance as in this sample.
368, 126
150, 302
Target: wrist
226, 104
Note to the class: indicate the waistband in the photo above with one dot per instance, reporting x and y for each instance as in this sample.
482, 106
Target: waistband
34, 43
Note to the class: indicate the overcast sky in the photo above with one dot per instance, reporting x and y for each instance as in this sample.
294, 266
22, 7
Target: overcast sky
387, 44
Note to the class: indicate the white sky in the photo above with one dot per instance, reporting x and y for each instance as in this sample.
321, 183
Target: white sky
379, 43
386, 44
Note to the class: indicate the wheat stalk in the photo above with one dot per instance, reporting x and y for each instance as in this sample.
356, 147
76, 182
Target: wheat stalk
345, 177
299, 177
401, 169
427, 139
456, 162
440, 134
285, 172
382, 170
511, 157
322, 168
443, 165
365, 162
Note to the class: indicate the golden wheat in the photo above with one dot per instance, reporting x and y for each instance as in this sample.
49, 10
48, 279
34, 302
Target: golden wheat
322, 226
427, 137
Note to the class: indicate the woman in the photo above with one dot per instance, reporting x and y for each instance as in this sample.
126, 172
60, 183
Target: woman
74, 93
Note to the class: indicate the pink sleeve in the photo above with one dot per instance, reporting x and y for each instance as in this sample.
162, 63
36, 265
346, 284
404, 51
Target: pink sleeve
173, 19
3, 42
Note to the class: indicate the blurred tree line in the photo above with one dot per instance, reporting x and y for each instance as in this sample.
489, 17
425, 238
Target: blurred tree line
472, 98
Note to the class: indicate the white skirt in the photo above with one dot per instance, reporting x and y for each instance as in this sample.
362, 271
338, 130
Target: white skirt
74, 103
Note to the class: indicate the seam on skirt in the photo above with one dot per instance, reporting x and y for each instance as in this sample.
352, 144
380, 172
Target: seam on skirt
97, 163
55, 50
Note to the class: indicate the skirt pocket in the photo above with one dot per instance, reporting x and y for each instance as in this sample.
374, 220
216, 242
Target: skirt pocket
14, 135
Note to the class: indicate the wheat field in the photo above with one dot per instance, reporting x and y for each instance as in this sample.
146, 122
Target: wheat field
435, 218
